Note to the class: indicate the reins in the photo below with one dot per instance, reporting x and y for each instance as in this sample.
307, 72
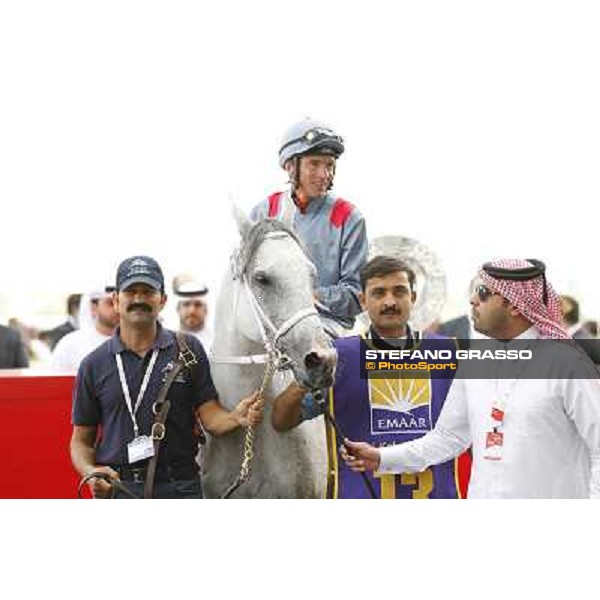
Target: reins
318, 395
248, 453
115, 484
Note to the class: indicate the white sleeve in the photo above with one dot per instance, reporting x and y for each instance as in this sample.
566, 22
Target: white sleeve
61, 359
582, 405
448, 439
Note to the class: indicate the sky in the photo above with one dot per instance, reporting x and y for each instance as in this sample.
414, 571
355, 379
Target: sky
128, 128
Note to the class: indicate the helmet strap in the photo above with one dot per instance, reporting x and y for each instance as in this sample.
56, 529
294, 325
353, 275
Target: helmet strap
332, 177
295, 175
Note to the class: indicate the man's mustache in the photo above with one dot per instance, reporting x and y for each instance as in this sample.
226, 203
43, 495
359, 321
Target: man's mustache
139, 305
390, 311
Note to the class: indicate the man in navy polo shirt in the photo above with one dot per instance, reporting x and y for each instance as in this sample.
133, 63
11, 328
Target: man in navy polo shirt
119, 382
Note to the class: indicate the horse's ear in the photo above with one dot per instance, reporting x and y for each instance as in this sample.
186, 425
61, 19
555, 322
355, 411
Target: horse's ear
243, 222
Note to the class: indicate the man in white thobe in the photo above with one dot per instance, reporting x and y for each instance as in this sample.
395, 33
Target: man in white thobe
530, 437
192, 308
75, 346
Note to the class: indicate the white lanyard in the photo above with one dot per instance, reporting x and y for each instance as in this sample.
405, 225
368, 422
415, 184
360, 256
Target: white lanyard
506, 394
125, 387
495, 436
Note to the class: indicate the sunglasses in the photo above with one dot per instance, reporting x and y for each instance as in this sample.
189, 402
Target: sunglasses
484, 292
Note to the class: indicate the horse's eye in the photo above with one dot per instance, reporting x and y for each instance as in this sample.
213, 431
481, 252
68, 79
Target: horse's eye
261, 278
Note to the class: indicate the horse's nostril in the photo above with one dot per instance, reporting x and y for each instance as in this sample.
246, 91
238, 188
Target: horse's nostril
312, 360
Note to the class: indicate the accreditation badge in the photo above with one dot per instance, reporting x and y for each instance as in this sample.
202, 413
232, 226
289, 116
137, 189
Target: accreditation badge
494, 444
140, 448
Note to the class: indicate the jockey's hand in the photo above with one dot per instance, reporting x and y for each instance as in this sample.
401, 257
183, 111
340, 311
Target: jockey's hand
249, 411
360, 456
99, 487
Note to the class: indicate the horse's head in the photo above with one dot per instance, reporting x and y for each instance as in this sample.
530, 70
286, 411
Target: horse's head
275, 300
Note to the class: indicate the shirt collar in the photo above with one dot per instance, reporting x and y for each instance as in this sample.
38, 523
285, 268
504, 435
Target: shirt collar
379, 342
163, 339
529, 334
314, 205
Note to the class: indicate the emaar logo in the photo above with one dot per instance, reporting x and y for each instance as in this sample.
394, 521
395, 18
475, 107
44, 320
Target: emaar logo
400, 405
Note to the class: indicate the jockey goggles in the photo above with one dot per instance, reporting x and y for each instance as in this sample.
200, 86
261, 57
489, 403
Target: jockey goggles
315, 137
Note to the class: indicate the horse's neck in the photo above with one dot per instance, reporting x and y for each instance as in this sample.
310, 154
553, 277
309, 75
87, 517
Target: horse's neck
233, 381
228, 340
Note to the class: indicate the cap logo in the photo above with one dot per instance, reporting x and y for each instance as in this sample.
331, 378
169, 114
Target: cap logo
139, 267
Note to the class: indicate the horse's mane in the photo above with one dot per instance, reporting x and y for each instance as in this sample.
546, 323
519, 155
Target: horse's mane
255, 236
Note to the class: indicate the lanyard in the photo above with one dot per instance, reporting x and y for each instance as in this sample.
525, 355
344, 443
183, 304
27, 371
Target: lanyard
125, 387
507, 394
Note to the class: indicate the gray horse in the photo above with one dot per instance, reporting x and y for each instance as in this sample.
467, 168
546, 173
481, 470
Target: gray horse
266, 310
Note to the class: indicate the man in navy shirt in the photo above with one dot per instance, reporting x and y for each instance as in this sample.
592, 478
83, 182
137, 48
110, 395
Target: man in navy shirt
118, 384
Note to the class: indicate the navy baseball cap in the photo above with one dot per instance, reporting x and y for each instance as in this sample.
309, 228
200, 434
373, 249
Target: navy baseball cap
140, 269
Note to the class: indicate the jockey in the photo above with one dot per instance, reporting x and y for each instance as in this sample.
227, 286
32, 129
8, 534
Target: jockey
332, 229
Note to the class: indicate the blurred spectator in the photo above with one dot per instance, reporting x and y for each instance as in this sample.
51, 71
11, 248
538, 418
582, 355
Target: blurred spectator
592, 327
461, 327
75, 346
582, 335
192, 308
53, 336
37, 350
13, 354
570, 313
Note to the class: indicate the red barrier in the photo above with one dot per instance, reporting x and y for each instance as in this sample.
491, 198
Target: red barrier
35, 416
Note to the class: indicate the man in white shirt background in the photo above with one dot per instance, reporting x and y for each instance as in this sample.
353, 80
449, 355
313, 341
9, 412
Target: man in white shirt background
75, 346
578, 330
531, 437
192, 308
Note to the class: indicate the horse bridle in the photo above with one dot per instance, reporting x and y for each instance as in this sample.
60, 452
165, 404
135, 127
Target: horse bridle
270, 334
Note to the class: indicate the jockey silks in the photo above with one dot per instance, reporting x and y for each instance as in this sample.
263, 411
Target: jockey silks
334, 233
